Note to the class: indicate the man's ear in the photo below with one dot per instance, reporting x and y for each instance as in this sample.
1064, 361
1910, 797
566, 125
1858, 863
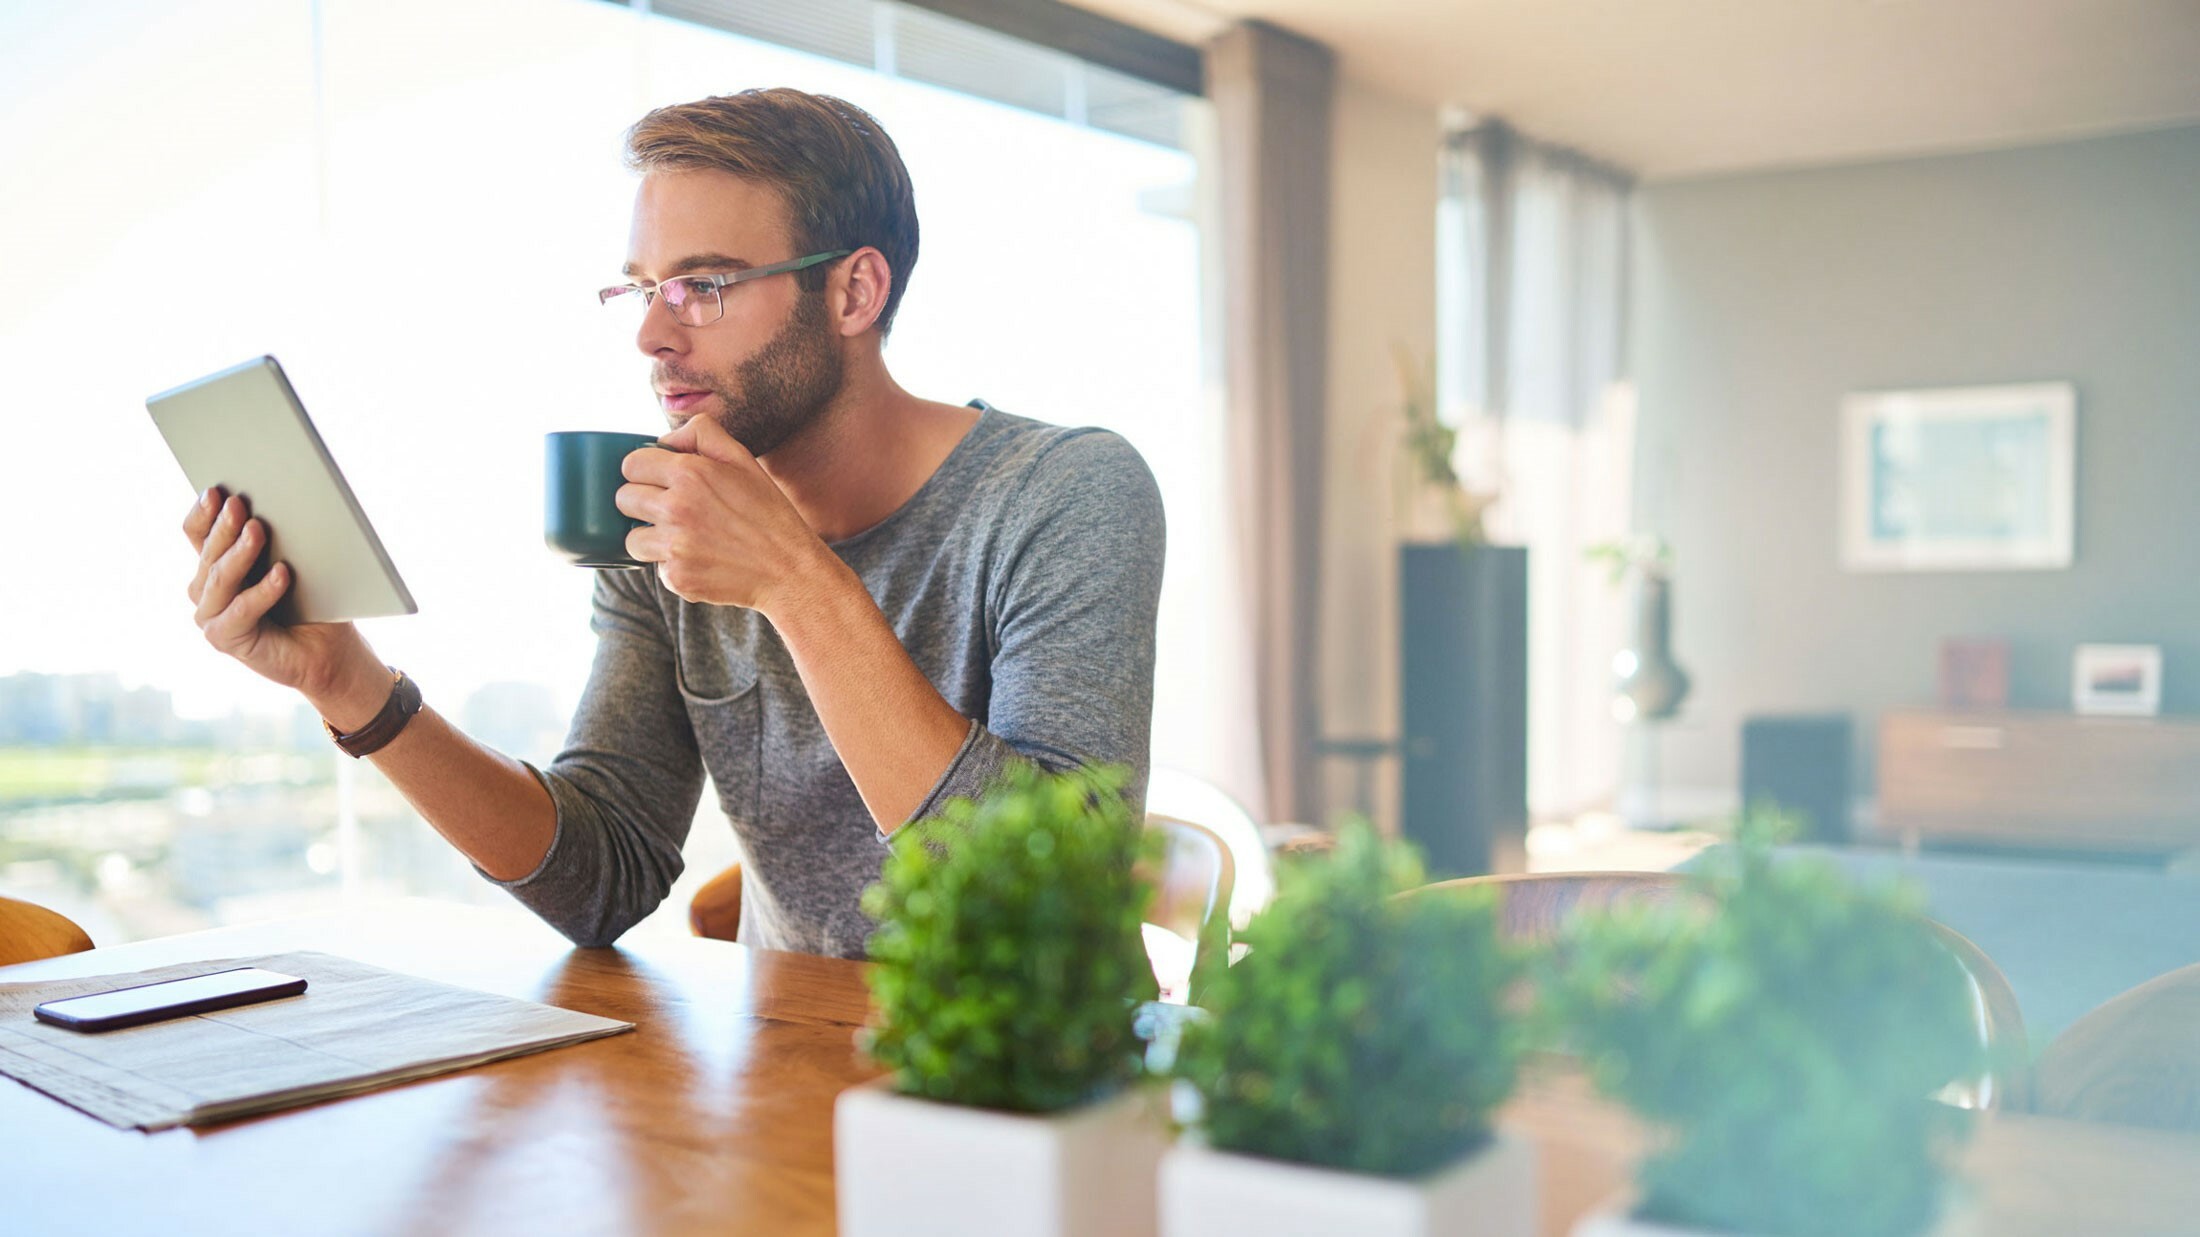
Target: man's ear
862, 285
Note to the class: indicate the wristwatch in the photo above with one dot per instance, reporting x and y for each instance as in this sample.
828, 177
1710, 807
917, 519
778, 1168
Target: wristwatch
404, 701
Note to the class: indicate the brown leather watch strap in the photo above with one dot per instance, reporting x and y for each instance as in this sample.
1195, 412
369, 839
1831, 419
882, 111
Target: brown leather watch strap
404, 701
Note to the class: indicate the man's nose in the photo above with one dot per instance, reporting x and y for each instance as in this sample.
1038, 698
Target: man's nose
660, 331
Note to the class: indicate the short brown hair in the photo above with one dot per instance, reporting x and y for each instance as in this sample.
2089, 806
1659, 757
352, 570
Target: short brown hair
839, 174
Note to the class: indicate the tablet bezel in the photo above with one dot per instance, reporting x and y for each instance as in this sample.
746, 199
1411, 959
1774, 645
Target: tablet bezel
245, 429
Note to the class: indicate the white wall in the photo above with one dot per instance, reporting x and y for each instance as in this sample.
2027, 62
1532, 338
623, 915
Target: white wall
1761, 299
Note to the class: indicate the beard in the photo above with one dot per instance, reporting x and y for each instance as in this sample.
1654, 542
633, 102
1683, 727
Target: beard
783, 389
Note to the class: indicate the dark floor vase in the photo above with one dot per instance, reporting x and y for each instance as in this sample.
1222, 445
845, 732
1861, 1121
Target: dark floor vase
1464, 699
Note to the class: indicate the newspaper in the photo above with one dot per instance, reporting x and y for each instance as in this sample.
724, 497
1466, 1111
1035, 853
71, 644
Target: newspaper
355, 1028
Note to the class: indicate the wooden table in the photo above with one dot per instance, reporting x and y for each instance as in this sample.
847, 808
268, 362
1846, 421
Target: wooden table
715, 1115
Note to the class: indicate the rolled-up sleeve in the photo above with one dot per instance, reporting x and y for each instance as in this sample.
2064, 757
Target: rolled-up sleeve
1072, 595
627, 782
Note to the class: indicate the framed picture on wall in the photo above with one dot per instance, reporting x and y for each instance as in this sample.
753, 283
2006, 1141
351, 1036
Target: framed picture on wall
2117, 679
1959, 479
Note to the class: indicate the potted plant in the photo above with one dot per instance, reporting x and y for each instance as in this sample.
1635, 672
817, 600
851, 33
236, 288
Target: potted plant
1005, 973
1782, 1036
1430, 448
1349, 1063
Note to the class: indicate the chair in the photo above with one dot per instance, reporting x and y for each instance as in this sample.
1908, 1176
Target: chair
1536, 905
2006, 1081
29, 932
1188, 924
1188, 921
2133, 1061
1183, 796
715, 910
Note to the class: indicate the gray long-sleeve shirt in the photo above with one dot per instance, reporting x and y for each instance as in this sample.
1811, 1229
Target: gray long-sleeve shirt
1022, 579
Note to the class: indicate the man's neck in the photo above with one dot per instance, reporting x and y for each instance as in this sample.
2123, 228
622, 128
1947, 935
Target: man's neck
866, 454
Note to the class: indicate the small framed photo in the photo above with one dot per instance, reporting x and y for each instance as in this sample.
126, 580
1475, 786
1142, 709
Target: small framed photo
2122, 680
1959, 479
1974, 674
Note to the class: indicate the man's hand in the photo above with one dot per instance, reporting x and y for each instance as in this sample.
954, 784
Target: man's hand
329, 662
720, 530
488, 805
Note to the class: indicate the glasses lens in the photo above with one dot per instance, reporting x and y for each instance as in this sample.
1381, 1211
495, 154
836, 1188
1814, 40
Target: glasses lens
694, 301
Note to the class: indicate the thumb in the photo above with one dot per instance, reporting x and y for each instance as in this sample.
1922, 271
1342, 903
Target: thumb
706, 437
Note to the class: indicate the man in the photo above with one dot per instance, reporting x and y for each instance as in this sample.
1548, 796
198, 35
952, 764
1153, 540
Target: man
858, 604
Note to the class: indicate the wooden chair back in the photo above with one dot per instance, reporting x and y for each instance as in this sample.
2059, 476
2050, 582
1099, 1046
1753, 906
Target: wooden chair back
715, 910
1536, 906
2134, 1060
29, 932
1191, 904
2006, 1081
1182, 796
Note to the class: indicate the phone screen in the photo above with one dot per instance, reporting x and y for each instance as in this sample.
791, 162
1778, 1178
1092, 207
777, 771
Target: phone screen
202, 993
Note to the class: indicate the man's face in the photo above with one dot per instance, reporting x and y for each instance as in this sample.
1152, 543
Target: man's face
772, 363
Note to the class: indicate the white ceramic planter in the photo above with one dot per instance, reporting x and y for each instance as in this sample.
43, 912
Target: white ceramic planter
1206, 1193
915, 1168
1616, 1219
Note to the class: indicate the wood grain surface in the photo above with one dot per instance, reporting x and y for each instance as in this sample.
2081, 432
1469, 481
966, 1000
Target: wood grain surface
2042, 779
715, 1115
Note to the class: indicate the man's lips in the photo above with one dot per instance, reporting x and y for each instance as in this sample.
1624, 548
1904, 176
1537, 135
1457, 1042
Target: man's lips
681, 401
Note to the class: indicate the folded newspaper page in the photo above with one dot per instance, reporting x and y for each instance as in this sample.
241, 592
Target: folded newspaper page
355, 1028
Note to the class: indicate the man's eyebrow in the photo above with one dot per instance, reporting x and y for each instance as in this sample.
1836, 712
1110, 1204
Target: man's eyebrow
696, 262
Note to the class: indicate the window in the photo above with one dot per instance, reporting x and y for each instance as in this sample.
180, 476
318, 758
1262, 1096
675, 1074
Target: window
326, 183
1530, 313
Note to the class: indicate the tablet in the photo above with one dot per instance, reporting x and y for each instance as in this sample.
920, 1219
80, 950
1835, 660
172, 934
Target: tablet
244, 430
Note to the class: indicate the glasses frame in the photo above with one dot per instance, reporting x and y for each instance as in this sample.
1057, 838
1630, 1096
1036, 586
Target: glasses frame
717, 283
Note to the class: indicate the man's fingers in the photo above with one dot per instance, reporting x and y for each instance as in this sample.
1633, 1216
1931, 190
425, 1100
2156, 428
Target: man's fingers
646, 545
219, 538
643, 502
197, 588
200, 518
711, 440
651, 465
681, 438
228, 571
236, 622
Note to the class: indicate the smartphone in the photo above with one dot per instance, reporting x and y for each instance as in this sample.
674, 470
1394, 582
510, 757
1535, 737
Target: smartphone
173, 998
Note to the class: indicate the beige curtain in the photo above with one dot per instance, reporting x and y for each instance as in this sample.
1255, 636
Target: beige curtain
1531, 322
1273, 95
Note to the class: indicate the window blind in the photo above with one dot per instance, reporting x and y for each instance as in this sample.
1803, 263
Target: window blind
919, 44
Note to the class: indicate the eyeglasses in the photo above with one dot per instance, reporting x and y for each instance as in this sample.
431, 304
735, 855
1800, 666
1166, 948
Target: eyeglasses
699, 300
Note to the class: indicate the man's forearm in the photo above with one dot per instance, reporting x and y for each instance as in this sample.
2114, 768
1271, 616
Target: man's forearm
482, 801
893, 730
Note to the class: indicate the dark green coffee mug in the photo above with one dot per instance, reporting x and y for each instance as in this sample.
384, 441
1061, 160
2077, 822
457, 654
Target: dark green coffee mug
581, 480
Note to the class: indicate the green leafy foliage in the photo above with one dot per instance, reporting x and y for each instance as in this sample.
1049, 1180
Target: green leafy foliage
1361, 1031
1008, 955
1641, 552
1786, 1034
1429, 445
